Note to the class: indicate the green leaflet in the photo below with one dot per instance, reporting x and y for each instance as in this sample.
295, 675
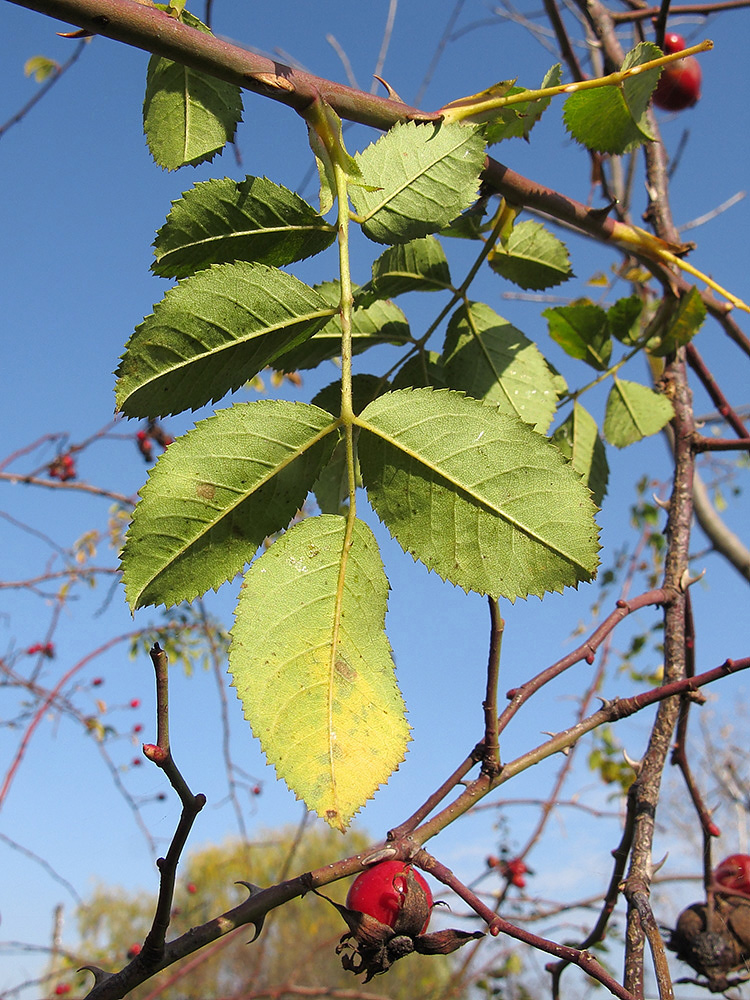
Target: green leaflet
633, 412
188, 116
582, 331
315, 675
488, 358
217, 492
377, 322
624, 320
476, 494
220, 220
532, 258
212, 333
686, 321
422, 176
578, 439
418, 266
517, 120
613, 119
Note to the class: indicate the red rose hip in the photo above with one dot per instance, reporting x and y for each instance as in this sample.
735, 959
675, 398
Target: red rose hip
679, 85
733, 874
390, 891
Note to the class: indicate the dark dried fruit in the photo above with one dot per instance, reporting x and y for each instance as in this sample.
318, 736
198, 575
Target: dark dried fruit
715, 942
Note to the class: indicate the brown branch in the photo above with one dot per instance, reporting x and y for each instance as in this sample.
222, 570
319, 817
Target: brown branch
498, 925
701, 444
161, 755
705, 9
491, 749
711, 386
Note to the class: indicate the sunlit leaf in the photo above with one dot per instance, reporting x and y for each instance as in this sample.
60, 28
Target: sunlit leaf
188, 116
212, 333
612, 119
532, 258
633, 412
582, 331
578, 439
313, 667
475, 494
424, 174
217, 492
220, 220
487, 357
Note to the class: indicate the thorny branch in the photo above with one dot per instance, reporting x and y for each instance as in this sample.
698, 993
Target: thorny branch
147, 28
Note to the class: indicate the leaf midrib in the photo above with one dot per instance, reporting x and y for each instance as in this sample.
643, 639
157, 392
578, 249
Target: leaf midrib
462, 488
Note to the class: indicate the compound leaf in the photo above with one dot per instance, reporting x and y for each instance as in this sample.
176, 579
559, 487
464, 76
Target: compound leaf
217, 492
425, 174
313, 667
220, 220
633, 412
476, 494
212, 333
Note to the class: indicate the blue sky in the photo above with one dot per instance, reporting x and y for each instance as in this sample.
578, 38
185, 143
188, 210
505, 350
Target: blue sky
82, 203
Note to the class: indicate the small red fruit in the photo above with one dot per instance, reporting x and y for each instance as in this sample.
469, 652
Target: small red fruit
97, 682
137, 761
137, 728
61, 989
134, 950
257, 790
514, 870
733, 874
135, 703
384, 891
679, 85
192, 888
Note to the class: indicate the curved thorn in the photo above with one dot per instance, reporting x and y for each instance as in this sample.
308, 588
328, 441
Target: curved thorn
686, 580
100, 976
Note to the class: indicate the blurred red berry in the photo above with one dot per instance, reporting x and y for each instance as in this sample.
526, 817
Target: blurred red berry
137, 761
135, 703
137, 728
46, 649
514, 870
61, 989
679, 85
733, 874
97, 681
134, 950
192, 888
63, 468
257, 790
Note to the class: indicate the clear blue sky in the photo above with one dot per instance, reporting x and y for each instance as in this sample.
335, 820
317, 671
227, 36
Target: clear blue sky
82, 201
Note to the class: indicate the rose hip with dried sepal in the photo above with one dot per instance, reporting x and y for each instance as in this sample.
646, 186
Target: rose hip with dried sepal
395, 894
388, 909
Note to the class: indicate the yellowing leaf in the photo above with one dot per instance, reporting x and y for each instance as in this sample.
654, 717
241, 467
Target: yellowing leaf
313, 668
